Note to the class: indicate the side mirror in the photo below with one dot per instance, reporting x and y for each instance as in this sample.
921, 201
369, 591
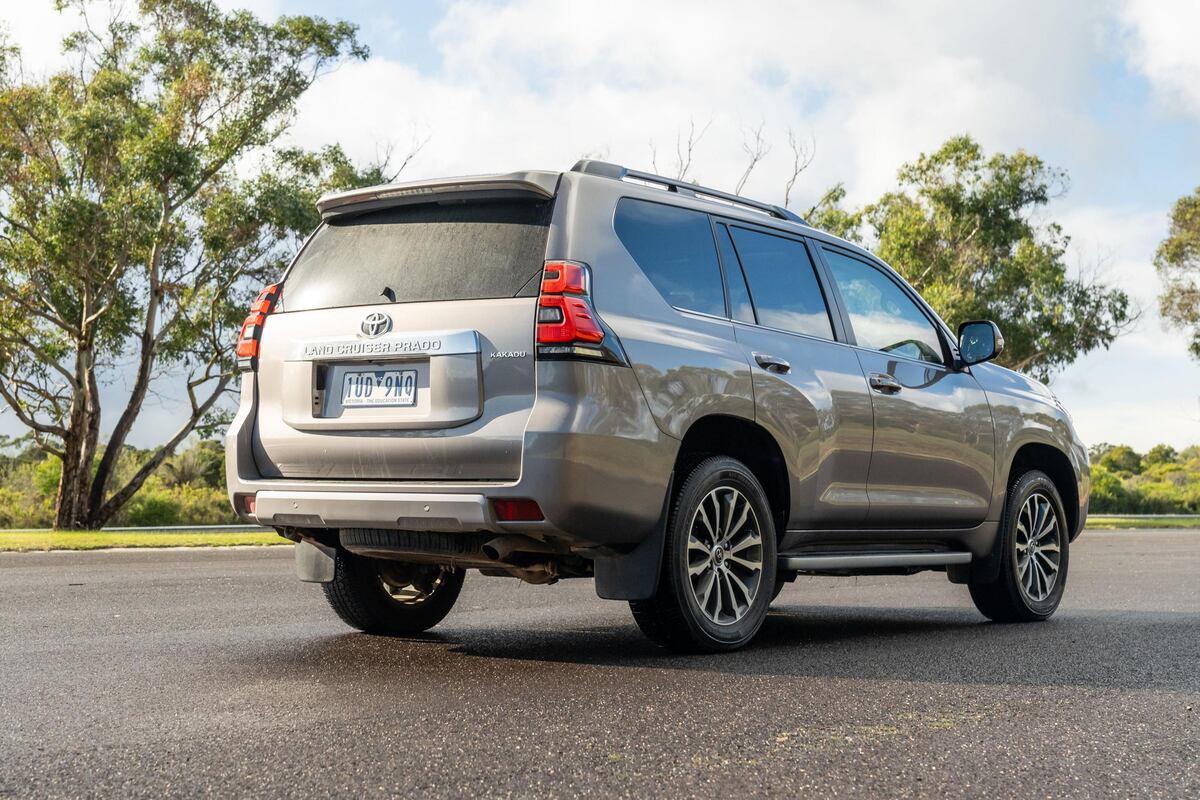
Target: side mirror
978, 341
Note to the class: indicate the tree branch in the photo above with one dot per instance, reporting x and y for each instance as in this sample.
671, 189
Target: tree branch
122, 496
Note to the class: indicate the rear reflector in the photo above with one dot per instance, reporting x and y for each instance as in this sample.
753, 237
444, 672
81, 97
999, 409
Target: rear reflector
248, 503
517, 510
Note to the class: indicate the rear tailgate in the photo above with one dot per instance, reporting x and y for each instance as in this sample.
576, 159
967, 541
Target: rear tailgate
437, 385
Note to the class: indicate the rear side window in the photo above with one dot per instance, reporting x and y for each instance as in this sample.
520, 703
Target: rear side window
674, 247
783, 283
460, 251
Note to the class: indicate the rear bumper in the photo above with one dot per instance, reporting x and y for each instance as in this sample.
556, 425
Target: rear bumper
416, 511
598, 477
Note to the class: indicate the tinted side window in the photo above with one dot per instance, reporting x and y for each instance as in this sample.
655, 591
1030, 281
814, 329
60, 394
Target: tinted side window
740, 307
783, 283
674, 247
882, 316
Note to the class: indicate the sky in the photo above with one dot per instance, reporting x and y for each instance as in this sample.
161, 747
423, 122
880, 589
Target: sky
1108, 91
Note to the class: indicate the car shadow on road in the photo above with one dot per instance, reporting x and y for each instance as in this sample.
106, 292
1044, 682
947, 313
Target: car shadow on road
1092, 648
1117, 649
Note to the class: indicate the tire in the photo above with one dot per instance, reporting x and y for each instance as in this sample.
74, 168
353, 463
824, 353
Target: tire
390, 597
1028, 589
674, 617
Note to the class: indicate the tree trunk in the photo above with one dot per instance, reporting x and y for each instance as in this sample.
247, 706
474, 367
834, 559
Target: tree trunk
73, 487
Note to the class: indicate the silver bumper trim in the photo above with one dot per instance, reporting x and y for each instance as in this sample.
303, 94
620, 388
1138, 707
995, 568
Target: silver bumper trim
393, 510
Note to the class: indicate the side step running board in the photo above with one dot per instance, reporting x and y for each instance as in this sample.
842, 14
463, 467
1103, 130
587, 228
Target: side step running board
841, 561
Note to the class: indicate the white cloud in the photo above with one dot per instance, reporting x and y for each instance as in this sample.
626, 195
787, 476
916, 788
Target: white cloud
1161, 43
539, 83
38, 30
1144, 390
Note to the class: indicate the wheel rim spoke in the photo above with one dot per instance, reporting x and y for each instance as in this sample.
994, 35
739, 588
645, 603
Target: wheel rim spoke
707, 591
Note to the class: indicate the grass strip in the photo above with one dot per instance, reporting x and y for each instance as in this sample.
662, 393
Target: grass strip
1106, 522
23, 541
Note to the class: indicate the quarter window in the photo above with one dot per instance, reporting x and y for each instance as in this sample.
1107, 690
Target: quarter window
783, 283
882, 316
675, 248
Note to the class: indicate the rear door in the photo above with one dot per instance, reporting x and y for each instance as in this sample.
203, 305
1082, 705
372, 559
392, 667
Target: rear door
808, 389
402, 346
932, 459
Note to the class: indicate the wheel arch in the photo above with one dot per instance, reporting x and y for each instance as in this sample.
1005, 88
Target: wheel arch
748, 442
1057, 466
634, 575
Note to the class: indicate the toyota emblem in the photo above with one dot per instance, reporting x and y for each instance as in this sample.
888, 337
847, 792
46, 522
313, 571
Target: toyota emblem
376, 324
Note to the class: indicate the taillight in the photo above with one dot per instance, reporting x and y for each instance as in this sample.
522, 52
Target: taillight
567, 325
264, 304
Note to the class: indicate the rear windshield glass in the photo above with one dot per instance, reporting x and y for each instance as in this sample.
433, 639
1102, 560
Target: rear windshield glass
461, 251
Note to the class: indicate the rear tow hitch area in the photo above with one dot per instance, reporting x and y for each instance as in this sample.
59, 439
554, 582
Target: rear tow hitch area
512, 555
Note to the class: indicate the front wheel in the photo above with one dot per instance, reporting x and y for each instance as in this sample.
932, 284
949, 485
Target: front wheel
376, 595
1034, 549
718, 572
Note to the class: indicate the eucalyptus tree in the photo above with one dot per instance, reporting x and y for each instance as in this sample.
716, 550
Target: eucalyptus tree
143, 200
1178, 264
967, 229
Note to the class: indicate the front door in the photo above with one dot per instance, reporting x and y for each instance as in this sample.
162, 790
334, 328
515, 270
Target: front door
934, 447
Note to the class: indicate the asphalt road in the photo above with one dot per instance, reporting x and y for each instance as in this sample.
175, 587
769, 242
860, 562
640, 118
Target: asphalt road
185, 672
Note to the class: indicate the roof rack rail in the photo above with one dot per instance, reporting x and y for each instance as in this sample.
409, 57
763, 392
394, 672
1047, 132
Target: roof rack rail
617, 172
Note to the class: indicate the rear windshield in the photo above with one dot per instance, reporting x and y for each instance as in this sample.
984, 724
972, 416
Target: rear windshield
459, 251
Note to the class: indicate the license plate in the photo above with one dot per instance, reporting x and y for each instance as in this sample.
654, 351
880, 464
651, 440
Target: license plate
380, 387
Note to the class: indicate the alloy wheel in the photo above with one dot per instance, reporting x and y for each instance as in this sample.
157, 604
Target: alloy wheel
405, 587
725, 555
1038, 543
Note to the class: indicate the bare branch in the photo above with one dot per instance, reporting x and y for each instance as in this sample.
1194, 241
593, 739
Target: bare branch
414, 149
756, 149
685, 150
120, 497
29, 422
802, 157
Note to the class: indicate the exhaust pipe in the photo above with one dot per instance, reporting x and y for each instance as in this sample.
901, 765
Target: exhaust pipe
503, 547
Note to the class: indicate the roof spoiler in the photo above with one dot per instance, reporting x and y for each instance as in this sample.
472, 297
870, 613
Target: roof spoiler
617, 172
540, 185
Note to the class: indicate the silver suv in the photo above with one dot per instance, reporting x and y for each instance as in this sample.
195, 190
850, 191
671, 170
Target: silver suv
688, 396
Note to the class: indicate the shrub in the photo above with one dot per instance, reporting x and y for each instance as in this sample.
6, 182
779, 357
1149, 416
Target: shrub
1122, 459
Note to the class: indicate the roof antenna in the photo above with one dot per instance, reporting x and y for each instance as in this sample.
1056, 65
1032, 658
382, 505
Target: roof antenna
389, 294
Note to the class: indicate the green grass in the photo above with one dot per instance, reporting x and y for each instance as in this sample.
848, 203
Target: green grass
22, 541
1117, 522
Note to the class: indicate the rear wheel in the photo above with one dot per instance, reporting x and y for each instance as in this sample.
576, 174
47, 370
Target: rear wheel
376, 595
1034, 548
718, 572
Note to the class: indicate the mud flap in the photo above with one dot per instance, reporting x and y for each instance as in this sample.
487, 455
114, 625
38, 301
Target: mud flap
983, 568
314, 562
634, 575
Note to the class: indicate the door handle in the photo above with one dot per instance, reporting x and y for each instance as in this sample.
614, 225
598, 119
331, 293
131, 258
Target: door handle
884, 383
772, 363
